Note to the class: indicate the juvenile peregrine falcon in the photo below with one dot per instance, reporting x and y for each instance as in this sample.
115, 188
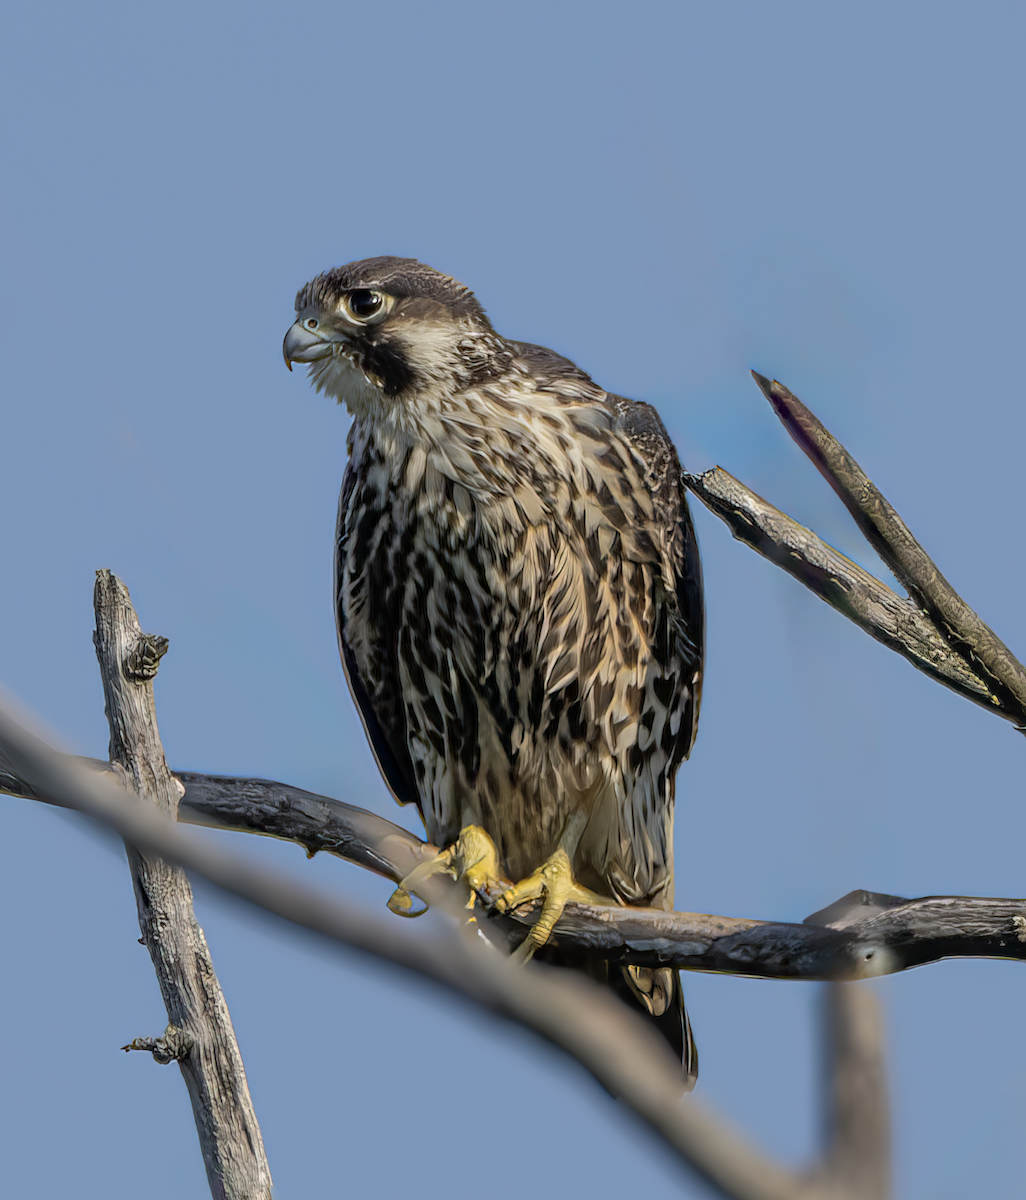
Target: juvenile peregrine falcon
519, 598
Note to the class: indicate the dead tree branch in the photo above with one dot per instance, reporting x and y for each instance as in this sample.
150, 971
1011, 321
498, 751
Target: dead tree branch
934, 629
860, 936
199, 1035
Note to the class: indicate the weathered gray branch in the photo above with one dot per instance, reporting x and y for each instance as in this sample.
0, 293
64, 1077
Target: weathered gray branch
860, 936
627, 1057
199, 1036
935, 629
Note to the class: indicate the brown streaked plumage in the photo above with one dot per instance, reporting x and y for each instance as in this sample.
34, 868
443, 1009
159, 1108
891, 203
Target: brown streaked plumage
519, 592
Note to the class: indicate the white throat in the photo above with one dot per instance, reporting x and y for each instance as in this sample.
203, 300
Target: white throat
339, 377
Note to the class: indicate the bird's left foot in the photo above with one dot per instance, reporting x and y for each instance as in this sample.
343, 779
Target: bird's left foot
554, 884
472, 858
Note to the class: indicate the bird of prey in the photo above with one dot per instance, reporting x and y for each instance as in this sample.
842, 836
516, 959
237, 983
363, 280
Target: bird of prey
519, 600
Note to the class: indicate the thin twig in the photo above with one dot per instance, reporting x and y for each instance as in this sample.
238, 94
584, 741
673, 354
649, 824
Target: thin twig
199, 1036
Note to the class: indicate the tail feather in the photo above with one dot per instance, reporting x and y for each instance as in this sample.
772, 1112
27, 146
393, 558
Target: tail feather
657, 995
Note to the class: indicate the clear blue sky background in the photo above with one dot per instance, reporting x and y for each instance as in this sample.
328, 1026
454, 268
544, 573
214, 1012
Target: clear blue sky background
670, 194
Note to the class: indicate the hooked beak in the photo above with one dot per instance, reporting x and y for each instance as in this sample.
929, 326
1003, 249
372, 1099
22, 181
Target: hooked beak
304, 345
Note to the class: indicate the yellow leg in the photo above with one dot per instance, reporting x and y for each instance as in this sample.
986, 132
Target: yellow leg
553, 882
473, 859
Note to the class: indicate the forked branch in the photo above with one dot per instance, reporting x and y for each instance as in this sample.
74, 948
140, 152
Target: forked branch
934, 628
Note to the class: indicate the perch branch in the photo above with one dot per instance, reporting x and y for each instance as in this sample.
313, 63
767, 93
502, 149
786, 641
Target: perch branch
627, 1057
199, 1036
860, 936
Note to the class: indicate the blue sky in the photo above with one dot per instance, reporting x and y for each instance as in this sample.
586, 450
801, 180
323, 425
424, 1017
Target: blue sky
669, 194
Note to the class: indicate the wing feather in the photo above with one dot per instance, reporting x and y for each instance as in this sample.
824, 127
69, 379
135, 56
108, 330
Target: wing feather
384, 721
641, 425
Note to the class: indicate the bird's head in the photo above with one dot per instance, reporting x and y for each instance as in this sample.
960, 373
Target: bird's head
385, 330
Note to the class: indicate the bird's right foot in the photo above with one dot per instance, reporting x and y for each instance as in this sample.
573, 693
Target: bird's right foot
472, 858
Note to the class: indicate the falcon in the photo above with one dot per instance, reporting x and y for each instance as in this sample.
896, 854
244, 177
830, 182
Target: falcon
518, 599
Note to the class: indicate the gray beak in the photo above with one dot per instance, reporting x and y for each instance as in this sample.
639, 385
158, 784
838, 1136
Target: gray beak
304, 345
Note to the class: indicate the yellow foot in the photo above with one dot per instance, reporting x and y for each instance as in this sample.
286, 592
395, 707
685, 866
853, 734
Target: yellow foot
554, 883
471, 858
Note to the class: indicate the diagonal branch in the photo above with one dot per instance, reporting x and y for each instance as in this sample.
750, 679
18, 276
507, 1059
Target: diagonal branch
889, 618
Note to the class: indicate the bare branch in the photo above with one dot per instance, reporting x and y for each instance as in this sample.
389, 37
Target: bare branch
860, 936
316, 822
911, 933
199, 1036
893, 541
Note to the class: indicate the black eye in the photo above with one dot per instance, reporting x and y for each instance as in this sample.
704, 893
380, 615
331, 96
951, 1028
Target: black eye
364, 303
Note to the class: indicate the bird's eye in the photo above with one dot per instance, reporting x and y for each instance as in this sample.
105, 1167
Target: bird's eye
363, 304
310, 322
